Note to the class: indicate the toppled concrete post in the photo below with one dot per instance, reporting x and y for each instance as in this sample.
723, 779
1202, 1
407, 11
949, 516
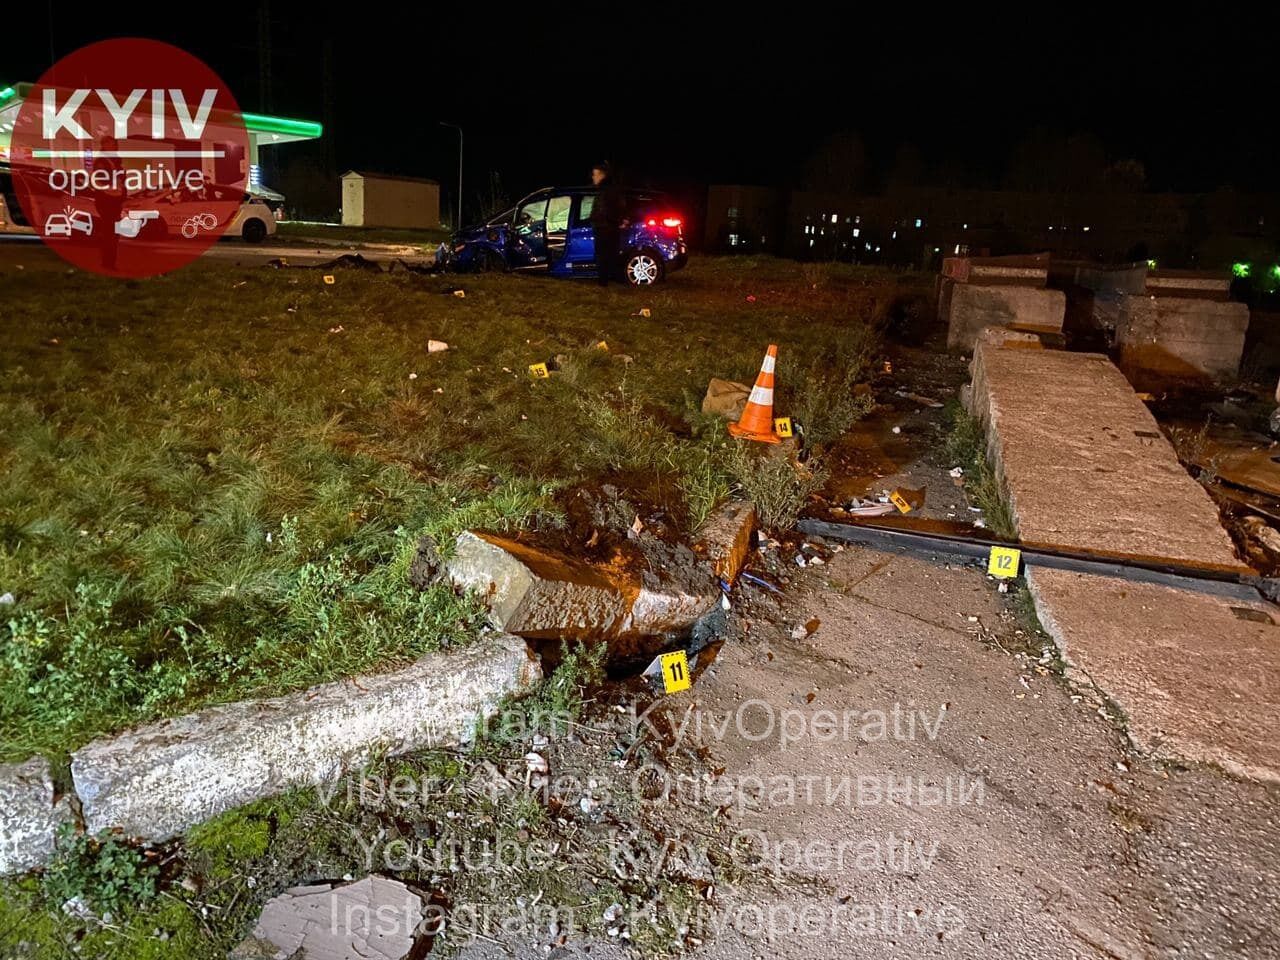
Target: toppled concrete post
158, 780
546, 595
371, 919
29, 817
537, 593
725, 539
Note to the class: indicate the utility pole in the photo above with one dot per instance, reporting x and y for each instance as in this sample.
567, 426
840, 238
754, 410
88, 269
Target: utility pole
458, 225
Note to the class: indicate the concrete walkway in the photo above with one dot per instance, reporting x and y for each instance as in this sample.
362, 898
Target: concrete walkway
1084, 465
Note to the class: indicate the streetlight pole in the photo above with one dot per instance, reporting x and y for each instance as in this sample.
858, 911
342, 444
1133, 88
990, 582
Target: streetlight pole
458, 225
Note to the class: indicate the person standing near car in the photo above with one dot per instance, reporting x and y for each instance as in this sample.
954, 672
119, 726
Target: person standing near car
608, 215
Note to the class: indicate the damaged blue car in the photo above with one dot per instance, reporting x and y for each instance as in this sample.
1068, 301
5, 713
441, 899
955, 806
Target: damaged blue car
550, 232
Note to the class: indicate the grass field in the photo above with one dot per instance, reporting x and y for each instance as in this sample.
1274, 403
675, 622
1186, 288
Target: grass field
215, 482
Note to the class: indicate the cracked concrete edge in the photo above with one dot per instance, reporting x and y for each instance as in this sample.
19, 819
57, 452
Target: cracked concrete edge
155, 781
546, 595
31, 814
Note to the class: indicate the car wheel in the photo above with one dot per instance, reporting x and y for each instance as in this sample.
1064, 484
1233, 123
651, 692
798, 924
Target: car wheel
644, 267
254, 231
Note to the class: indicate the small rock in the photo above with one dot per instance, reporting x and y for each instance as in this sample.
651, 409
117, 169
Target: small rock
7, 599
436, 346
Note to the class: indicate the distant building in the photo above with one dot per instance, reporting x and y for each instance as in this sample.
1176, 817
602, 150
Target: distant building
380, 200
920, 226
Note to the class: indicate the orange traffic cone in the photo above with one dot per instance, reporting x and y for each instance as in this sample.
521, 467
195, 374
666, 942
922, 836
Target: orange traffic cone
757, 416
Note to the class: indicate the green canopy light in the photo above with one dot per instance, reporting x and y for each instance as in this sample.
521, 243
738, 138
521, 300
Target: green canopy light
284, 126
1241, 269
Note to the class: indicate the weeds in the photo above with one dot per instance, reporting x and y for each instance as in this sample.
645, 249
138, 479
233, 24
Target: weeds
966, 447
102, 874
778, 487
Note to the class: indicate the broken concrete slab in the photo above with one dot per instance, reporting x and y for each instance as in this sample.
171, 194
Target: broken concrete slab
156, 781
1083, 461
1008, 337
1084, 465
726, 538
29, 815
371, 919
967, 308
537, 593
725, 398
1196, 675
542, 594
1164, 340
1199, 284
1027, 271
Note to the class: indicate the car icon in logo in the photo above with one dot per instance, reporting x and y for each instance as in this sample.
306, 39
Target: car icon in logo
62, 224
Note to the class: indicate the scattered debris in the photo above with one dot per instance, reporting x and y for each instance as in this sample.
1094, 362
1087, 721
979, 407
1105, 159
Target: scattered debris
725, 398
371, 919
1257, 528
436, 346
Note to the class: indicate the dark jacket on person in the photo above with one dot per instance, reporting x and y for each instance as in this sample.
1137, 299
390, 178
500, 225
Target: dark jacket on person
609, 209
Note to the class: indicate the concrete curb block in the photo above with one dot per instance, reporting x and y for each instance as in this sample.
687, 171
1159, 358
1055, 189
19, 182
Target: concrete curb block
725, 539
549, 596
156, 781
29, 815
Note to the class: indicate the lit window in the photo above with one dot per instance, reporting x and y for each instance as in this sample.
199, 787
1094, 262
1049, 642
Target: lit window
1086, 229
811, 241
919, 223
733, 213
733, 239
966, 226
957, 250
857, 231
834, 218
895, 235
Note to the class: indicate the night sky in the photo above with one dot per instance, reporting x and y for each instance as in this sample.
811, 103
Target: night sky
679, 106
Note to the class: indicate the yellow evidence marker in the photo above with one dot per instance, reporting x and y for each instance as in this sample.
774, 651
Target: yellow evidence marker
1004, 562
675, 672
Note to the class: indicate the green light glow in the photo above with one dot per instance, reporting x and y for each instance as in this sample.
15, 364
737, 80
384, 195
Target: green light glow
1241, 269
7, 93
1151, 264
1275, 271
260, 123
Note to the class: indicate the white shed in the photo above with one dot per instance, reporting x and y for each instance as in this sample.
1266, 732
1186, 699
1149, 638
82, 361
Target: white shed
381, 200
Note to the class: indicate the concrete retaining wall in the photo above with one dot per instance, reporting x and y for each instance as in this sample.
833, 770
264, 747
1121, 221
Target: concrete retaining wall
1163, 339
969, 308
